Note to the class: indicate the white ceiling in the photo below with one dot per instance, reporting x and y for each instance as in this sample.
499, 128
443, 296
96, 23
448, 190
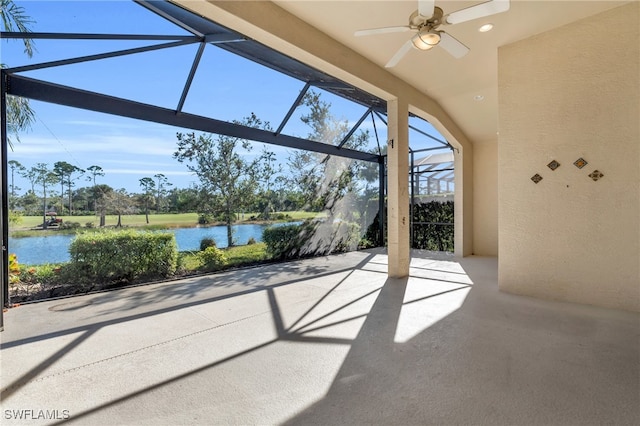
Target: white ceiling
454, 83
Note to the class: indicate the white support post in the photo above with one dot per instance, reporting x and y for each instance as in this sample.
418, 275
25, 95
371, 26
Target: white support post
398, 189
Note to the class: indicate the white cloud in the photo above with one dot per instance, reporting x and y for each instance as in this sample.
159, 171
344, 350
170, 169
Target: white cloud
93, 145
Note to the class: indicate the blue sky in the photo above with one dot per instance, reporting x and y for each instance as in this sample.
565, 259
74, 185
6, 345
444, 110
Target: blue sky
226, 87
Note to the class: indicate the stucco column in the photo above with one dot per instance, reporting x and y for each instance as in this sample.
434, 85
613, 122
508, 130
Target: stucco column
463, 214
398, 188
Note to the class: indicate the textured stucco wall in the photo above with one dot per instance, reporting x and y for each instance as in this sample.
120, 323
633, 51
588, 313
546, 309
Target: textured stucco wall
485, 199
568, 93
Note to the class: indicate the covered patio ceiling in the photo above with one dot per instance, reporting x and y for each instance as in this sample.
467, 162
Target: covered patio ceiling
466, 88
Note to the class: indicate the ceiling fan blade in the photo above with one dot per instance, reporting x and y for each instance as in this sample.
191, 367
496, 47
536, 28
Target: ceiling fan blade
453, 46
383, 30
425, 8
399, 54
478, 11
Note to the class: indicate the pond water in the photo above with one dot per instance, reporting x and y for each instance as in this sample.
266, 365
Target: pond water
54, 248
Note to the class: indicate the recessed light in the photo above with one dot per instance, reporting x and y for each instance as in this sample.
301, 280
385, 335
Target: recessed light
478, 97
485, 28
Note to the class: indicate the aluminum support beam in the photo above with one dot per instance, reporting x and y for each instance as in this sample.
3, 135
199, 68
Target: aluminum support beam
67, 96
91, 36
192, 73
437, 148
422, 132
102, 56
382, 220
354, 128
4, 207
375, 130
444, 143
293, 108
412, 194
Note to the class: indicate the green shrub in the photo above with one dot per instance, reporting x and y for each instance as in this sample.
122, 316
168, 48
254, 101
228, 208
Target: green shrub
373, 233
205, 218
89, 225
207, 242
433, 226
365, 244
212, 257
69, 225
251, 241
311, 238
15, 217
154, 227
246, 255
283, 241
188, 261
125, 255
180, 266
280, 216
39, 274
346, 236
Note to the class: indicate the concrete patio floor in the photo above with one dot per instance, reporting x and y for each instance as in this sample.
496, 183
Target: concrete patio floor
328, 341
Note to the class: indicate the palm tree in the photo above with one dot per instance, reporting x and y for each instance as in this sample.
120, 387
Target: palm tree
14, 18
94, 171
45, 178
65, 172
148, 185
20, 116
14, 165
161, 188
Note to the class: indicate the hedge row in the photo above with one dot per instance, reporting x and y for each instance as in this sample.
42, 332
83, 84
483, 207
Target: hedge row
437, 235
114, 256
311, 238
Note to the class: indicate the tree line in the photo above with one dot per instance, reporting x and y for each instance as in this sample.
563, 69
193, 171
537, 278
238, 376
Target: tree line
230, 182
58, 189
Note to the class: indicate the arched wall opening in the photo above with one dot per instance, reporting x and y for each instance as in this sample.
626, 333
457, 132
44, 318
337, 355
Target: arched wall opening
275, 27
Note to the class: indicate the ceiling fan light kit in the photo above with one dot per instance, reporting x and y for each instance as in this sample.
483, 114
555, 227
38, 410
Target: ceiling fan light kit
426, 22
425, 40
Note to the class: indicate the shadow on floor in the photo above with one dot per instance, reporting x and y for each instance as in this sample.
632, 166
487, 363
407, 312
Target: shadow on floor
442, 346
498, 359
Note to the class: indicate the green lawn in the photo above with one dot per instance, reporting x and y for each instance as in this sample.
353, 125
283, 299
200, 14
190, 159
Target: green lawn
181, 219
167, 220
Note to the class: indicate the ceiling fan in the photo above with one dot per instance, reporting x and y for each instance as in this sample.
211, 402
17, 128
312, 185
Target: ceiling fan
426, 22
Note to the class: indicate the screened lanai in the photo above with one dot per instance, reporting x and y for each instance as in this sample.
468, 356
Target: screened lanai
384, 336
117, 70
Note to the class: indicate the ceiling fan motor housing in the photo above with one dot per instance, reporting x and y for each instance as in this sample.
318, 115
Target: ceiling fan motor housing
418, 21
